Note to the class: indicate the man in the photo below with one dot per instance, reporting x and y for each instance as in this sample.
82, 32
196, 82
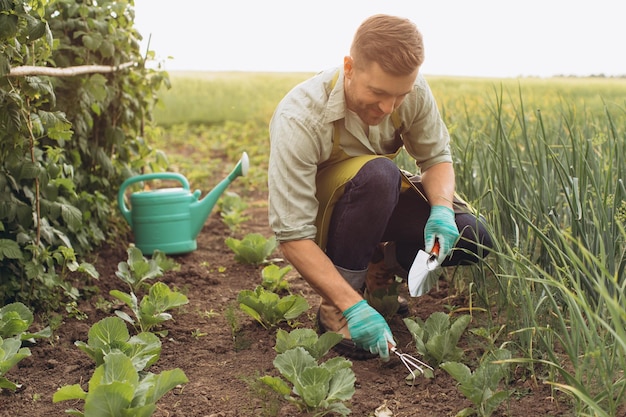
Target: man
336, 199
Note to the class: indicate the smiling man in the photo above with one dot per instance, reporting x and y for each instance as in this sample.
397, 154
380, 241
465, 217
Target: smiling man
347, 218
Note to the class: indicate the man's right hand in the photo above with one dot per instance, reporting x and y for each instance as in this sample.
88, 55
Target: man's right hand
368, 329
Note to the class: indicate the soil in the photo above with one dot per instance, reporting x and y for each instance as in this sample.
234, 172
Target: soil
222, 363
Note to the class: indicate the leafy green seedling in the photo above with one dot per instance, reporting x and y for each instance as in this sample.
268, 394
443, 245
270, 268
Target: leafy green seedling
197, 334
437, 338
385, 300
273, 278
116, 388
74, 311
312, 387
152, 309
253, 249
15, 319
137, 270
11, 352
66, 258
234, 219
268, 308
240, 341
165, 263
111, 335
481, 386
232, 208
317, 347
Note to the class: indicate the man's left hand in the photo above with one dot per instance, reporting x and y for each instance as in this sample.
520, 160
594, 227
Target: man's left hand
441, 226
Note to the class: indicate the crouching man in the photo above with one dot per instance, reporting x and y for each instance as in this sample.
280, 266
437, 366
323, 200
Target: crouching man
345, 215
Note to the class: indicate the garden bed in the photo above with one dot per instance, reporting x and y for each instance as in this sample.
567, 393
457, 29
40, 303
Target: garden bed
223, 352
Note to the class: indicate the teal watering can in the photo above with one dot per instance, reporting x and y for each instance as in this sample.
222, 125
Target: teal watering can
169, 219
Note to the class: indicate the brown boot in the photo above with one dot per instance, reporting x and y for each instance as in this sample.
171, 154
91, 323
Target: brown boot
331, 319
382, 271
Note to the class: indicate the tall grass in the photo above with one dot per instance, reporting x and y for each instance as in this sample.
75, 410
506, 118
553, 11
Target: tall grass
550, 182
542, 160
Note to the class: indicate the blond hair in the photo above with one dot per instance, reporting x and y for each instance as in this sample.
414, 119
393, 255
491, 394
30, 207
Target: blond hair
392, 42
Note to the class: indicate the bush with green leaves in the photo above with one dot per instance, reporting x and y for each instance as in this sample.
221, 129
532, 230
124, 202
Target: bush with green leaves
438, 337
11, 353
111, 335
269, 309
66, 143
481, 387
152, 310
116, 389
385, 300
320, 388
232, 210
253, 249
137, 270
273, 278
15, 320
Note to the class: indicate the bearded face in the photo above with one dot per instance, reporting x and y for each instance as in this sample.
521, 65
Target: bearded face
372, 93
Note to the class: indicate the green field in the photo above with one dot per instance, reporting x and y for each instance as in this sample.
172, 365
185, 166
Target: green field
541, 159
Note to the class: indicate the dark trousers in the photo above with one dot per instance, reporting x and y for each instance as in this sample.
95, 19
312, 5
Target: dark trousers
372, 209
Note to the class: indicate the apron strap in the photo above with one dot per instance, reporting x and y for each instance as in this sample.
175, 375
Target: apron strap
331, 182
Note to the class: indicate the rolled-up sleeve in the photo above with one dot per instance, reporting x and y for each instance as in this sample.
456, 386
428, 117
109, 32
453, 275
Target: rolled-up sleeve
294, 155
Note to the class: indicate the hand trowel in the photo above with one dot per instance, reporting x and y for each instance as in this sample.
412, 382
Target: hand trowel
421, 275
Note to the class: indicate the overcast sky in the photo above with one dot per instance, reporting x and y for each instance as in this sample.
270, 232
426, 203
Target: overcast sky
490, 38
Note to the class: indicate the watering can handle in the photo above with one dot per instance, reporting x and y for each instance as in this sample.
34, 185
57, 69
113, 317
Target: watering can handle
146, 177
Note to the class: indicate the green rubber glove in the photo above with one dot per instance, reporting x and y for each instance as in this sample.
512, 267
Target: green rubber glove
441, 226
368, 329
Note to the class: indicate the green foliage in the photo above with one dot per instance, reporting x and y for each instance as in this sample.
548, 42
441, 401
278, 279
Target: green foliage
269, 308
116, 389
152, 310
232, 210
437, 338
66, 142
111, 335
137, 269
273, 278
385, 300
320, 388
253, 249
240, 341
317, 347
15, 320
481, 386
11, 352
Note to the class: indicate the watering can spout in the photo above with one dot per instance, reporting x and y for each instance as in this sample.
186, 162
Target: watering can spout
201, 209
